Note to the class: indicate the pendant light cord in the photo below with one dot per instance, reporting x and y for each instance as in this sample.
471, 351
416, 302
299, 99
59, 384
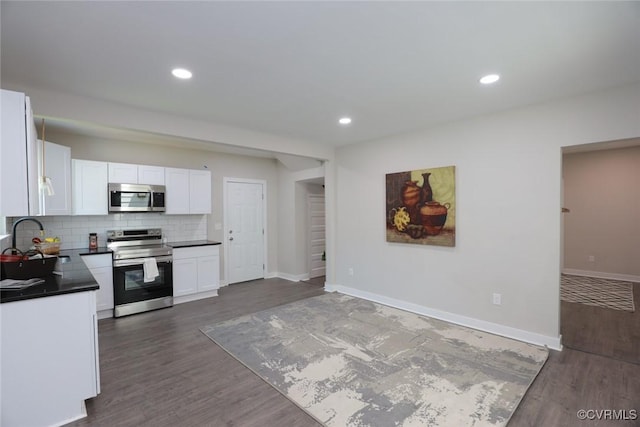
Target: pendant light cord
44, 174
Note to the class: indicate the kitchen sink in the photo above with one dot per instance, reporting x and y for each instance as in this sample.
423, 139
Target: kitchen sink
40, 266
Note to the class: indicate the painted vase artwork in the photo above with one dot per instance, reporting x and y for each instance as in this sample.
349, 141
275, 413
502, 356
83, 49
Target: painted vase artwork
421, 206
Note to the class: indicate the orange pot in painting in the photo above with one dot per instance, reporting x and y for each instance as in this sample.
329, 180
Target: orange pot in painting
433, 216
411, 199
410, 194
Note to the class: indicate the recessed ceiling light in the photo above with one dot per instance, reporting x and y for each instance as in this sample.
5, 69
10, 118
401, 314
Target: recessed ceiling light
345, 120
489, 78
181, 73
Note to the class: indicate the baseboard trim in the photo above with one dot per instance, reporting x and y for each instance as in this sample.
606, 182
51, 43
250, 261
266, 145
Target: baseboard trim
552, 342
83, 414
195, 297
602, 275
293, 277
105, 314
278, 275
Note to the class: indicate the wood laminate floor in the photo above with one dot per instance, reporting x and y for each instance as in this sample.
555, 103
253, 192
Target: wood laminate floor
604, 331
158, 369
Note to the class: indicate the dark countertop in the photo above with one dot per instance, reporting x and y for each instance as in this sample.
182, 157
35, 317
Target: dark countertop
86, 251
192, 243
75, 277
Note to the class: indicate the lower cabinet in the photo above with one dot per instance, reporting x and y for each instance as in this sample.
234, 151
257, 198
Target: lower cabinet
100, 266
49, 358
196, 272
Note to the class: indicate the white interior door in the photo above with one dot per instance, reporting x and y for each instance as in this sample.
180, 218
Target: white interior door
317, 265
244, 230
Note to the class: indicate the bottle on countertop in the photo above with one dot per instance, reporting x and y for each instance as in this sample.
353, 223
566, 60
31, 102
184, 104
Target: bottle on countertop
93, 240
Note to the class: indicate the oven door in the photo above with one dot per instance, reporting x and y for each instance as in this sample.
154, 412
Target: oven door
129, 285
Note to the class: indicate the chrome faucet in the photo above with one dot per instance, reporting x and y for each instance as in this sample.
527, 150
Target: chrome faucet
15, 224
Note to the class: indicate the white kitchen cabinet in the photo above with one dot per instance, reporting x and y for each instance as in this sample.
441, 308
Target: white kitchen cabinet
101, 267
90, 188
153, 175
208, 272
199, 192
127, 173
18, 158
123, 173
185, 276
104, 277
56, 160
49, 358
177, 187
188, 191
196, 272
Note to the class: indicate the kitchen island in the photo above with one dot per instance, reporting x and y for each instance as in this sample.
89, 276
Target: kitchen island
49, 349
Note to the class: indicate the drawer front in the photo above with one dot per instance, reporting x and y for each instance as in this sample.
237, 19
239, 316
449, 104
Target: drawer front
196, 252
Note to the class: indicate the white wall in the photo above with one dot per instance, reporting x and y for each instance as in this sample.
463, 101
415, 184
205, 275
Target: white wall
286, 224
508, 232
92, 111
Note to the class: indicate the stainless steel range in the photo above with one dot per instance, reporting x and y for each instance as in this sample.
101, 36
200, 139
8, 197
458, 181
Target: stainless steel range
142, 271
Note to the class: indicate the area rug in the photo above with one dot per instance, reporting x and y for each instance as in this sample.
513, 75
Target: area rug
605, 293
352, 362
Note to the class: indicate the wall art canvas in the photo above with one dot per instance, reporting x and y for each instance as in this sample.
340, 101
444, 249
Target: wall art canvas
421, 206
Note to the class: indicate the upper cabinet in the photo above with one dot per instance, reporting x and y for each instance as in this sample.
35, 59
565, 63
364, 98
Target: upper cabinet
55, 164
188, 191
199, 192
152, 175
18, 160
177, 187
123, 173
90, 184
126, 173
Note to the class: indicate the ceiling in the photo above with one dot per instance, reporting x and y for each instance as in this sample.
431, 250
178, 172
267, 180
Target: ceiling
293, 68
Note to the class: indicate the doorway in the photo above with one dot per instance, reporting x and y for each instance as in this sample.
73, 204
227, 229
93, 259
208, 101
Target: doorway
244, 229
600, 245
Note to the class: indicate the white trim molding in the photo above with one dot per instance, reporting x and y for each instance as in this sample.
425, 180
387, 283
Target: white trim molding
292, 277
552, 342
602, 275
195, 297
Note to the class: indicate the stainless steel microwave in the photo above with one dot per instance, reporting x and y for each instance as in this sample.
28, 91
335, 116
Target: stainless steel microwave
136, 198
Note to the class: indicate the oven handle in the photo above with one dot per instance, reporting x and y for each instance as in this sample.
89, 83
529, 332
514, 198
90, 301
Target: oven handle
140, 261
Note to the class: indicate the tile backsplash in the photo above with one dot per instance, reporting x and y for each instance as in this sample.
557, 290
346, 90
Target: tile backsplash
73, 231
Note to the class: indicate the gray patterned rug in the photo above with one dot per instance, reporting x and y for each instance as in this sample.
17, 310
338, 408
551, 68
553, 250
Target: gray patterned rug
352, 362
605, 293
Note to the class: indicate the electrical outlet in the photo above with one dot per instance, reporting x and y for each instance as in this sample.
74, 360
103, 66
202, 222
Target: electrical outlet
497, 299
350, 271
592, 258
